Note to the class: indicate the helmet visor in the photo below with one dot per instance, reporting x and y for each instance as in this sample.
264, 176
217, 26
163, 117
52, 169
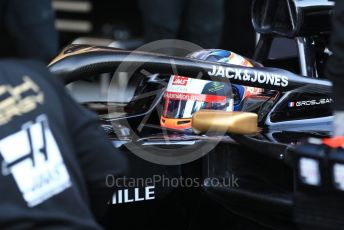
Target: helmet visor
184, 109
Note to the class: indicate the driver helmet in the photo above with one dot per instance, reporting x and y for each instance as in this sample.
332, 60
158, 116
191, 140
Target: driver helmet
184, 96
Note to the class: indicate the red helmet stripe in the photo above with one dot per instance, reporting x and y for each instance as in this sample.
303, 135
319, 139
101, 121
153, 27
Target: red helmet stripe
194, 97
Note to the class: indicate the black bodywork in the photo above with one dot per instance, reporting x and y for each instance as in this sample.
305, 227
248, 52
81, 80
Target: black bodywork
266, 181
288, 114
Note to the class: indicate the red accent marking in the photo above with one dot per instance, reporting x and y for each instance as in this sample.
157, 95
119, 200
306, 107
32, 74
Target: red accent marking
252, 91
178, 80
194, 97
334, 142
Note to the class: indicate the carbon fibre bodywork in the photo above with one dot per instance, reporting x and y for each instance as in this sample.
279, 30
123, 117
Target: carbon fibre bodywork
288, 114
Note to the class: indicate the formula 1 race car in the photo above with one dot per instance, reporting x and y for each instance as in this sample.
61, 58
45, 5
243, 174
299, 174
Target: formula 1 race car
252, 131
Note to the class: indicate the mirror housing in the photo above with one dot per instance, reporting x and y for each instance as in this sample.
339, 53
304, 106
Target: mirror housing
226, 122
292, 18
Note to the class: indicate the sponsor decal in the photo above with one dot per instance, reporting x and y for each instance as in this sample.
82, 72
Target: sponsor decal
216, 86
133, 195
178, 80
244, 75
19, 99
291, 104
194, 97
322, 101
35, 162
252, 91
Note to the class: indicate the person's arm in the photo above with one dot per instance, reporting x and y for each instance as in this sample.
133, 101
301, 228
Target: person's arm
97, 157
335, 68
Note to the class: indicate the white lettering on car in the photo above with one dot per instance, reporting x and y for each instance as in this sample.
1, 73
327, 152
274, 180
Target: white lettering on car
244, 75
322, 101
133, 195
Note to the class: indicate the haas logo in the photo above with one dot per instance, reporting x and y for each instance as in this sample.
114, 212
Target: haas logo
33, 158
178, 80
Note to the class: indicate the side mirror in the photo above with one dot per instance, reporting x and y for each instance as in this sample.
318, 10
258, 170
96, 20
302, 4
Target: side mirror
226, 122
292, 18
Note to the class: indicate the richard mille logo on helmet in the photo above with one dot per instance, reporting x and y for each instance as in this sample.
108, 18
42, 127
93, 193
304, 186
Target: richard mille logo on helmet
245, 75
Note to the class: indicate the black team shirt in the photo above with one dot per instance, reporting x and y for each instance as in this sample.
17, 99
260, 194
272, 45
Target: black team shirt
53, 156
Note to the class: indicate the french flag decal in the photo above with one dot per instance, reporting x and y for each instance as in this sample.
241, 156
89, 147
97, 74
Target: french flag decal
291, 104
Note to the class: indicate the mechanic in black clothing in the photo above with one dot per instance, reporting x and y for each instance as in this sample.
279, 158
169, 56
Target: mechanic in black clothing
197, 21
27, 29
53, 157
335, 68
